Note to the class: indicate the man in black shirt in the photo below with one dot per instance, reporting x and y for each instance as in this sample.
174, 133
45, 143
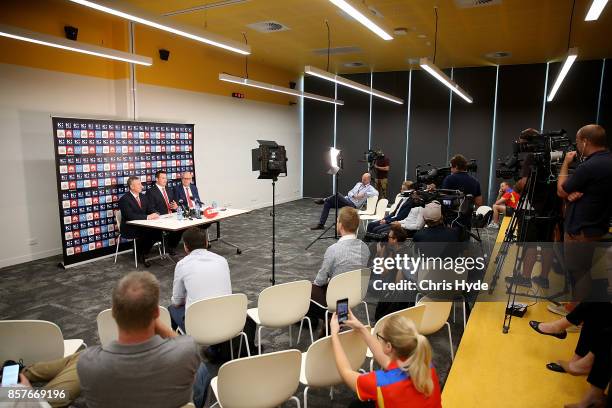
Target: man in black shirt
382, 172
459, 179
589, 192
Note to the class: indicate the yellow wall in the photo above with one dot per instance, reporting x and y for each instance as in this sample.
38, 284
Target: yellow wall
192, 65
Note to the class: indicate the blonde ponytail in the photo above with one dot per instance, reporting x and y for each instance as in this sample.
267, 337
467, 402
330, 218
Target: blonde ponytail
414, 348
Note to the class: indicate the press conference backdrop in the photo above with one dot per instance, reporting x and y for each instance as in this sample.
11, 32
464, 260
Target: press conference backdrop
94, 159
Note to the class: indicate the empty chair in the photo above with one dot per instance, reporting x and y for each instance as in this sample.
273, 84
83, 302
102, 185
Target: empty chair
319, 366
378, 215
34, 341
393, 206
107, 327
215, 320
435, 317
370, 206
117, 214
261, 381
414, 313
345, 285
281, 306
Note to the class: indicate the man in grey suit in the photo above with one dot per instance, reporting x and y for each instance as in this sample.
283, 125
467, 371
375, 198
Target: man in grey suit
348, 254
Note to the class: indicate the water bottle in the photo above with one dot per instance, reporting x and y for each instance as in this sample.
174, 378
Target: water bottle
179, 213
214, 205
198, 210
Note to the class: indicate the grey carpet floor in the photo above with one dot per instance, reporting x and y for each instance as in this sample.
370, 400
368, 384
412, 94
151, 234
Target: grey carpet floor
72, 298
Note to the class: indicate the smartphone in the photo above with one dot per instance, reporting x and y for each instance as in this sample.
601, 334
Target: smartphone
342, 310
10, 375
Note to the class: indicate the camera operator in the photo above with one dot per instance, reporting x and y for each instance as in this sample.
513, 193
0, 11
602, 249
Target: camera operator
589, 192
381, 165
401, 211
459, 179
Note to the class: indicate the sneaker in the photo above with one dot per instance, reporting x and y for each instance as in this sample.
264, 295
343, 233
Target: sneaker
319, 201
519, 281
541, 281
558, 309
317, 227
493, 225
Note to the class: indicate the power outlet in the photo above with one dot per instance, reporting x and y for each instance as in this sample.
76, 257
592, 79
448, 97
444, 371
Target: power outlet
33, 241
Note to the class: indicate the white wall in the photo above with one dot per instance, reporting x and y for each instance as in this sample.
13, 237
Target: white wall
225, 131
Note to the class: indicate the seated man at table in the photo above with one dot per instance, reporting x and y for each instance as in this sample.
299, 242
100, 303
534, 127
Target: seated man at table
136, 206
355, 199
348, 254
187, 193
162, 200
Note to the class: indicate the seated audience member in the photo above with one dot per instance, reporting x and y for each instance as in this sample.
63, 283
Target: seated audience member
187, 193
401, 211
148, 365
355, 199
414, 221
407, 379
435, 230
60, 374
348, 254
136, 206
592, 353
200, 275
506, 203
162, 201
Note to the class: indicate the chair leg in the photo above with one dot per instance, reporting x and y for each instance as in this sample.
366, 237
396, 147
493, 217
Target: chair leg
365, 304
231, 350
454, 311
306, 397
135, 255
310, 329
117, 247
290, 337
300, 331
297, 401
326, 324
331, 392
450, 341
246, 343
418, 296
463, 302
259, 339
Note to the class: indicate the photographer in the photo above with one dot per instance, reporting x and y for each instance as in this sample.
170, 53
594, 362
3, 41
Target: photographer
589, 192
381, 165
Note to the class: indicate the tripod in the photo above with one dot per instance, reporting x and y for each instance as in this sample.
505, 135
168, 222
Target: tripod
322, 235
273, 215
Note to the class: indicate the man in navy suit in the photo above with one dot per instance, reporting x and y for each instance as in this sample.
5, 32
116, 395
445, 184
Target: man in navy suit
162, 200
401, 211
186, 193
136, 206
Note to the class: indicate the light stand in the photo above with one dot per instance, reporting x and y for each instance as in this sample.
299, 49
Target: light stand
336, 165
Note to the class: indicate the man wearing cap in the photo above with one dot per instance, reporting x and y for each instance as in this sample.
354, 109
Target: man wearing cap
435, 230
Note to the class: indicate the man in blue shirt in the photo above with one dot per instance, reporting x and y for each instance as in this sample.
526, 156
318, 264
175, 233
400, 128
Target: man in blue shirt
459, 179
355, 198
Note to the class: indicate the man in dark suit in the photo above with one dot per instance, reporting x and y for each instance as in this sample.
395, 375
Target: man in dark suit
401, 211
186, 193
162, 200
136, 206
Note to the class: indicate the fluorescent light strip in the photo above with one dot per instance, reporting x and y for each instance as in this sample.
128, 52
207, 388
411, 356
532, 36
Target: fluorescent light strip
276, 88
595, 10
128, 12
442, 77
310, 70
357, 15
572, 54
65, 44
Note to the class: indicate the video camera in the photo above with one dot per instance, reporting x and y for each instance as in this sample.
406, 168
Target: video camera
372, 155
547, 149
427, 174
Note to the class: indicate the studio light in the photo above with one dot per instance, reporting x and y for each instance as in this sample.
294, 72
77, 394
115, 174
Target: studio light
310, 70
595, 10
572, 54
277, 88
120, 9
434, 71
70, 45
357, 15
334, 160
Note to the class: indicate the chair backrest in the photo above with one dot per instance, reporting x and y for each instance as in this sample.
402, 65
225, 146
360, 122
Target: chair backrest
482, 216
107, 327
371, 204
261, 381
345, 285
32, 341
435, 315
381, 208
215, 320
320, 366
117, 214
414, 313
395, 203
284, 304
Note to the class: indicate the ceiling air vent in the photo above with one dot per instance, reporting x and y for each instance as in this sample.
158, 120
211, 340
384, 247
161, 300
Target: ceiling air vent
268, 26
355, 64
498, 55
476, 3
337, 50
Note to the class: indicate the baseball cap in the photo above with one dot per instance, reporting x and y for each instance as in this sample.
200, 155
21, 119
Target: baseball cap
432, 211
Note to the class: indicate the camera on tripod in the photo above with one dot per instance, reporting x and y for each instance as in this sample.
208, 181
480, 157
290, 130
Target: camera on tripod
547, 149
427, 174
371, 156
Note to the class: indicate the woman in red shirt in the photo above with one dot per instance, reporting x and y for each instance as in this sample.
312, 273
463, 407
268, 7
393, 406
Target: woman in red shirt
408, 380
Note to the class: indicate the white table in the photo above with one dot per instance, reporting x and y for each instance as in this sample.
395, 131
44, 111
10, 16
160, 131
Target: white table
169, 222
